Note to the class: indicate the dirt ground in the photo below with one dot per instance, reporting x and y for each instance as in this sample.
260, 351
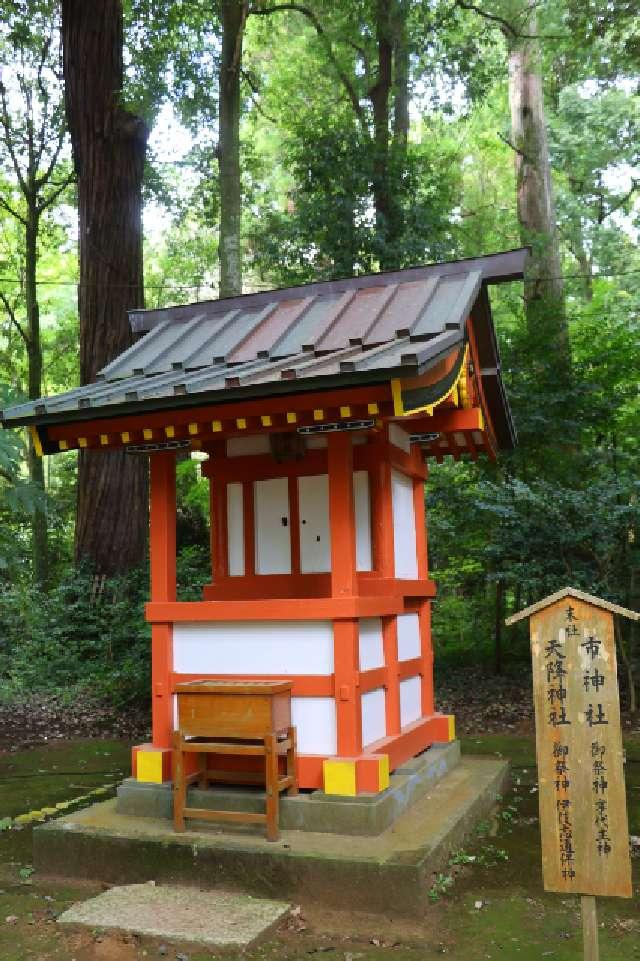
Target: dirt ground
489, 903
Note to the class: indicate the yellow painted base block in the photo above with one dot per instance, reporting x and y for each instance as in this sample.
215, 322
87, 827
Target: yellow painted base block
151, 764
443, 728
368, 774
340, 776
452, 727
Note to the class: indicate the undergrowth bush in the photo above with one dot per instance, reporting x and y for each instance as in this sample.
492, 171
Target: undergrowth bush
78, 639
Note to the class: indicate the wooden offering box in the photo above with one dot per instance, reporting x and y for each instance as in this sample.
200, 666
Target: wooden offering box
238, 709
242, 718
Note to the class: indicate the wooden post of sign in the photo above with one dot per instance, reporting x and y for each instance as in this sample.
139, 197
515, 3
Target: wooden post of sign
589, 928
583, 813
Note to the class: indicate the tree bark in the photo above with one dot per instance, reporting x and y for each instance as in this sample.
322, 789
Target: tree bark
108, 150
499, 616
400, 77
379, 95
544, 290
39, 542
234, 16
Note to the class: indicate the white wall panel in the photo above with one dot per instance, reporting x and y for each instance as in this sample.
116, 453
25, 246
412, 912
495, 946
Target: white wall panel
248, 444
362, 506
315, 441
404, 526
371, 649
273, 530
253, 647
410, 700
235, 529
315, 539
399, 438
373, 717
408, 636
315, 722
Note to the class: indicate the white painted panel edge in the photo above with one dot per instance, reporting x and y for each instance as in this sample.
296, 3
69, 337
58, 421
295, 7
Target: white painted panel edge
248, 444
404, 526
372, 707
408, 636
362, 508
371, 650
399, 438
253, 647
235, 529
315, 721
410, 701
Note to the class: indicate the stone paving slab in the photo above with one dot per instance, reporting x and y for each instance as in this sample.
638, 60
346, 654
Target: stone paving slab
216, 919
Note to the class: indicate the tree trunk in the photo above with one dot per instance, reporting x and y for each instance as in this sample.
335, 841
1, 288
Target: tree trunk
585, 264
234, 16
400, 78
108, 150
379, 95
499, 616
627, 661
544, 291
39, 543
390, 139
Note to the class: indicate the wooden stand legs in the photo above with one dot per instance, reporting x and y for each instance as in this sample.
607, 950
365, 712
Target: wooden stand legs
271, 787
270, 748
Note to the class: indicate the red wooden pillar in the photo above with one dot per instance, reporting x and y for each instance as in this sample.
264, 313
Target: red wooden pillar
426, 653
162, 542
342, 515
347, 679
392, 684
382, 512
344, 584
218, 529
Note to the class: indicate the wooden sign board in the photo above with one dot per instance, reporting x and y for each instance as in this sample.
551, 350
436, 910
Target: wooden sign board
583, 815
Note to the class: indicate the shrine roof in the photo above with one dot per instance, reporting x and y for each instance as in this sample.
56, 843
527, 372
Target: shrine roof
357, 331
578, 595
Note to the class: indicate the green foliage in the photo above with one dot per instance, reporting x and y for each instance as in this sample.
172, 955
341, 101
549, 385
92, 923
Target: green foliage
77, 637
326, 227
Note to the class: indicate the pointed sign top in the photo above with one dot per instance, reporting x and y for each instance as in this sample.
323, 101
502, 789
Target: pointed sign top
580, 596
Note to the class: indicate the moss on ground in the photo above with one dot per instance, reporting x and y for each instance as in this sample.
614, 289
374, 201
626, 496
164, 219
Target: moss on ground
499, 870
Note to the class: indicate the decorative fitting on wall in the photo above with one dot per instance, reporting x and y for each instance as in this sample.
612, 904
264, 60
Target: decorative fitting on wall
153, 448
337, 426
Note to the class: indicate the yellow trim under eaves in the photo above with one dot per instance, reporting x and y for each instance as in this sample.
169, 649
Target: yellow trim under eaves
396, 393
35, 439
399, 409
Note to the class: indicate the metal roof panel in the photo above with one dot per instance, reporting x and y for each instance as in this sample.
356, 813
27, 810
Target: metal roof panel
372, 328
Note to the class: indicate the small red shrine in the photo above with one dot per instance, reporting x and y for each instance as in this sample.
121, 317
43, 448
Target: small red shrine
317, 407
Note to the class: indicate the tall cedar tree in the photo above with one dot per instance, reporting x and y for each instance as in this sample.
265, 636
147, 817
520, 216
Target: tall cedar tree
234, 17
109, 146
544, 291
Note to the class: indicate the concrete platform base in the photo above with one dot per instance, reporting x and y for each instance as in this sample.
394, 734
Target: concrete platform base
217, 920
368, 814
391, 873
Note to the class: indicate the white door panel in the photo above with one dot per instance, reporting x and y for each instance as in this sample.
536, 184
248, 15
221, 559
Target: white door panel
315, 539
273, 531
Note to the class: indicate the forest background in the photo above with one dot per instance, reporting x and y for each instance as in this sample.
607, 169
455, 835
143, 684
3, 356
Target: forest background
267, 144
